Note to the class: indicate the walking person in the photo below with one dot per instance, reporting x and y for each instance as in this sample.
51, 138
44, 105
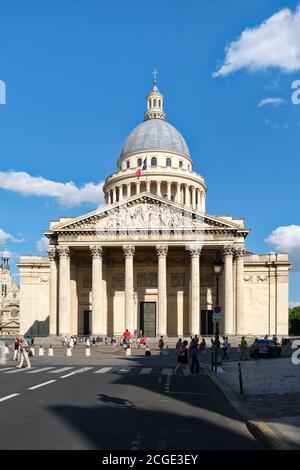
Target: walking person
17, 350
182, 359
161, 345
225, 348
243, 348
24, 346
202, 346
194, 348
178, 345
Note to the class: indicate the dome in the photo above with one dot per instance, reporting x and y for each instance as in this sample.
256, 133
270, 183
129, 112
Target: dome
154, 134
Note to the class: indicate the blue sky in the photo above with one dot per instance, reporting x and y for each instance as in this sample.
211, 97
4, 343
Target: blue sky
77, 73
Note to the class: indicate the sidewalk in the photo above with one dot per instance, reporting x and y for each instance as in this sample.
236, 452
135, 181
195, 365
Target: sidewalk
271, 401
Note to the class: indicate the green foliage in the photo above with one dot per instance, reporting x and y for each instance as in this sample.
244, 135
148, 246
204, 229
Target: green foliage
294, 320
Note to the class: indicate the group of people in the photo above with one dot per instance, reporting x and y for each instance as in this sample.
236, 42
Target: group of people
187, 354
22, 347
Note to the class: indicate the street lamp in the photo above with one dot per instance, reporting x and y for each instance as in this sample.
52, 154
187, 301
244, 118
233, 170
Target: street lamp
217, 266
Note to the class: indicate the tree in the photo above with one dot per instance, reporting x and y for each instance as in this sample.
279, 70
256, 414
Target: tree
294, 320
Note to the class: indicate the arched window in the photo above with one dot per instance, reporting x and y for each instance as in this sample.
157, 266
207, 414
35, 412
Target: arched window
139, 162
149, 104
159, 103
154, 103
168, 162
153, 161
180, 163
128, 164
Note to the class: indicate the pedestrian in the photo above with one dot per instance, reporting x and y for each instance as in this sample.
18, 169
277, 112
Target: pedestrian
94, 341
74, 341
161, 345
32, 341
17, 350
202, 346
106, 341
24, 347
225, 348
114, 343
71, 345
243, 348
127, 337
178, 346
194, 355
182, 359
65, 341
88, 343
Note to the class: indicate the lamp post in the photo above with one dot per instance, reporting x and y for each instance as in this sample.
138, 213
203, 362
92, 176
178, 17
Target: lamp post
217, 266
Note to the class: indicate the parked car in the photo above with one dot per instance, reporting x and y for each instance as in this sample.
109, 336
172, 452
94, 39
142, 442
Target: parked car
265, 348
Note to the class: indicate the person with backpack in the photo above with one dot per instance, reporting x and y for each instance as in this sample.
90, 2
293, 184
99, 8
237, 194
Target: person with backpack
161, 345
194, 356
24, 348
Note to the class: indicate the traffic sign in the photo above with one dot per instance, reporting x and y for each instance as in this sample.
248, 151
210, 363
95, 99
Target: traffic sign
216, 317
217, 309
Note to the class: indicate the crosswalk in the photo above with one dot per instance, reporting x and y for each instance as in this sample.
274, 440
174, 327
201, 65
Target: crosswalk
73, 370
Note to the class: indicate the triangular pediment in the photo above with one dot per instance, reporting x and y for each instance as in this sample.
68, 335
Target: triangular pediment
146, 211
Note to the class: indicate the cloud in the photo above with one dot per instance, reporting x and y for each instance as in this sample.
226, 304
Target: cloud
287, 240
5, 237
67, 194
274, 43
294, 304
42, 245
271, 101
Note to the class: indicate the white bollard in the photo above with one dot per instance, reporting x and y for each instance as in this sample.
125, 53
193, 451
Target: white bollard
6, 351
69, 352
50, 351
32, 350
88, 351
41, 351
128, 352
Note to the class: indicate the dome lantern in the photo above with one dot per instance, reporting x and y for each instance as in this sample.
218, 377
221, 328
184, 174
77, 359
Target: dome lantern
155, 101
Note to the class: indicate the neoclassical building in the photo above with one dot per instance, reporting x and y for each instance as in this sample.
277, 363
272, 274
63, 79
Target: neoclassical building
144, 259
9, 300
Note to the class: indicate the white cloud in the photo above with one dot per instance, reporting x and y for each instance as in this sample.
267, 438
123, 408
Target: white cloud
271, 101
5, 237
274, 43
294, 304
67, 194
42, 245
287, 240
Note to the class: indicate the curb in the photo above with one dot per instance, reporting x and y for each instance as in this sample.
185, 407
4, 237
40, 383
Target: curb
261, 431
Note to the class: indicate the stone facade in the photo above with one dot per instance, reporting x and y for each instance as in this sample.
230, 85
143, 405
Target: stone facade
144, 259
10, 300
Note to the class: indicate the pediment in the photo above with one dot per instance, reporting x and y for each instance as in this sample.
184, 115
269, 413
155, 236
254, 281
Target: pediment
145, 212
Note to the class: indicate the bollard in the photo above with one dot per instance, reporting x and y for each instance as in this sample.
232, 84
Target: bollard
128, 351
50, 351
32, 351
69, 352
241, 379
41, 351
88, 351
6, 351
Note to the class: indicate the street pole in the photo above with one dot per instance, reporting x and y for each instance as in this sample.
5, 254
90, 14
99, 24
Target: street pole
217, 341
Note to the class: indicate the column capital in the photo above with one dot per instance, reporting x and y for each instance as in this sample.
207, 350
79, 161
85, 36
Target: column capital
194, 251
239, 252
129, 251
63, 252
162, 250
52, 252
96, 251
227, 250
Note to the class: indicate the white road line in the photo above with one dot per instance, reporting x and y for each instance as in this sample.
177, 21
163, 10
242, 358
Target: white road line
9, 396
17, 370
39, 370
103, 370
167, 372
79, 371
145, 371
41, 385
124, 371
58, 371
6, 368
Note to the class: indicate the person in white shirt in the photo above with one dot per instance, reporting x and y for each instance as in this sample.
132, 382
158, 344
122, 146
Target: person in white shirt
24, 354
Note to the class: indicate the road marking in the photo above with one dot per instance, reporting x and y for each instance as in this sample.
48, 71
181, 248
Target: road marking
57, 371
167, 372
6, 368
190, 393
79, 371
17, 370
39, 370
41, 385
103, 370
124, 371
145, 370
9, 396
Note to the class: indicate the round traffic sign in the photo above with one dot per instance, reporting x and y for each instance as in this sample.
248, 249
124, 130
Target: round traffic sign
217, 309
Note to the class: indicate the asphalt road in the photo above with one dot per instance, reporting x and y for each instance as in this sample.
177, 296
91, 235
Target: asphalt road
133, 404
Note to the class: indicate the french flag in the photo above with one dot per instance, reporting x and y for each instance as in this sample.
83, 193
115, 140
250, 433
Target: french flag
141, 168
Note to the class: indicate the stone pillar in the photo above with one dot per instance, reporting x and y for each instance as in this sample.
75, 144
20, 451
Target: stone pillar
97, 302
228, 287
158, 188
169, 190
121, 193
128, 189
187, 195
148, 186
194, 310
52, 291
64, 290
114, 195
129, 303
240, 317
199, 200
162, 252
193, 197
178, 195
138, 187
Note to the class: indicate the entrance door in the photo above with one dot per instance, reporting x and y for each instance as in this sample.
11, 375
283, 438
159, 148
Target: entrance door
148, 318
207, 326
87, 314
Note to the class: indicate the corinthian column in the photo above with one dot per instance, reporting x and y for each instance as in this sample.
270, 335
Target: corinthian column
129, 304
194, 316
97, 304
228, 286
162, 252
240, 319
52, 290
64, 290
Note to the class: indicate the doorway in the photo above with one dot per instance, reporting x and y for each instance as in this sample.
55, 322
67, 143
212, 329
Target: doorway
148, 319
87, 317
206, 322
